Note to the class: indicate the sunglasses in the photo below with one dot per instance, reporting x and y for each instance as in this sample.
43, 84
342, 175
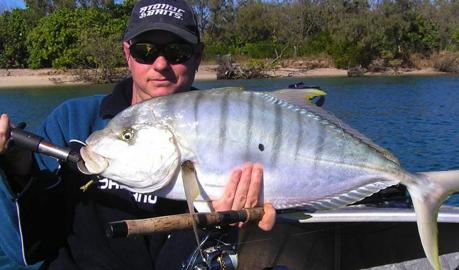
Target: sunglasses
175, 53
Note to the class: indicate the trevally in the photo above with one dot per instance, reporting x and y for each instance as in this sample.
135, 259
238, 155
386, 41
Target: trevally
310, 158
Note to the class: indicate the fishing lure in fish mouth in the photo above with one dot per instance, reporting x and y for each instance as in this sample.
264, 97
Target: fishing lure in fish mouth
93, 163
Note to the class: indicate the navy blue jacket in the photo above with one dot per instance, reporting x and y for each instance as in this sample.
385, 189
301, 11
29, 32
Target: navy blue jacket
53, 220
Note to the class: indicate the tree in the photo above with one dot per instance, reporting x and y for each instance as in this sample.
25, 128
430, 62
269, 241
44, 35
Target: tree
404, 30
56, 41
445, 14
14, 27
348, 24
455, 39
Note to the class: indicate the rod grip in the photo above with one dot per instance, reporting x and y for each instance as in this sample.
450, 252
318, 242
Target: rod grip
166, 224
35, 143
25, 139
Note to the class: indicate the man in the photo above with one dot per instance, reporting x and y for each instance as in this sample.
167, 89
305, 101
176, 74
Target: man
62, 225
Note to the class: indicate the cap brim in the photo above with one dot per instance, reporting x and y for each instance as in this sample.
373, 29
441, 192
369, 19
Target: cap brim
185, 35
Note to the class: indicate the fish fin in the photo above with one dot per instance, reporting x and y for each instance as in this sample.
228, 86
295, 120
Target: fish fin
294, 215
348, 197
228, 89
298, 97
427, 199
289, 98
203, 206
191, 187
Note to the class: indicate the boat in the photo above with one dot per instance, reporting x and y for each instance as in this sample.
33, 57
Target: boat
354, 237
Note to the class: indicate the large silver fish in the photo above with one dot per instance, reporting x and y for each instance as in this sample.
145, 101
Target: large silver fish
310, 158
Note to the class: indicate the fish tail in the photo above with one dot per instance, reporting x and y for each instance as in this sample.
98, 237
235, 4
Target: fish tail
427, 195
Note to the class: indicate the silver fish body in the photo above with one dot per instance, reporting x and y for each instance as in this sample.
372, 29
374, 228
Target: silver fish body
310, 158
307, 158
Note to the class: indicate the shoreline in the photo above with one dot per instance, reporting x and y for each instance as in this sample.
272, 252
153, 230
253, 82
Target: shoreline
48, 77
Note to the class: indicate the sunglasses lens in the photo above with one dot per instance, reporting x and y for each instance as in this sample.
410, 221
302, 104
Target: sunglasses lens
144, 53
175, 53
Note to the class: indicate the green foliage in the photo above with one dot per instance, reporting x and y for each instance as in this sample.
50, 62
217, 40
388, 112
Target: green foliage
403, 31
74, 33
57, 39
455, 39
103, 53
262, 49
252, 22
14, 27
349, 54
215, 49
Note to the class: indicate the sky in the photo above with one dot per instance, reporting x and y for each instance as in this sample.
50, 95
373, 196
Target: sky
12, 3
9, 4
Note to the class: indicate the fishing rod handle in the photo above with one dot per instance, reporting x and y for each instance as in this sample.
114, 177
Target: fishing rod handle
35, 143
25, 139
166, 224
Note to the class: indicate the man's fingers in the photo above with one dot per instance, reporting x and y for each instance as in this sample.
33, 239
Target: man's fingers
226, 200
240, 197
268, 219
4, 128
253, 194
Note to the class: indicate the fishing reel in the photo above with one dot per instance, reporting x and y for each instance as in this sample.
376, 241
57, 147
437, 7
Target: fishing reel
219, 256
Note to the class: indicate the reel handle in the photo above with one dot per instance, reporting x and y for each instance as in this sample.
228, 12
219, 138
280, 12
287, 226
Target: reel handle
179, 222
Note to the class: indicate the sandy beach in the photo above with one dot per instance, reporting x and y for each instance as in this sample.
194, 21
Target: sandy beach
47, 77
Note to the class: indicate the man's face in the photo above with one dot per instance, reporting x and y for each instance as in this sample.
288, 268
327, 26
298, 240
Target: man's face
161, 77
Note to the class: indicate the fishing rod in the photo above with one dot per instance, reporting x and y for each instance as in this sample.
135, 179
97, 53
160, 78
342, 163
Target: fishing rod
212, 253
32, 142
167, 224
37, 144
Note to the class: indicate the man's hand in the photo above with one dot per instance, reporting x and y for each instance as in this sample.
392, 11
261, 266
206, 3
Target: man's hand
4, 131
243, 191
15, 161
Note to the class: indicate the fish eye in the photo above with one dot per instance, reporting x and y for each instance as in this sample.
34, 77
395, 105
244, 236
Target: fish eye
127, 134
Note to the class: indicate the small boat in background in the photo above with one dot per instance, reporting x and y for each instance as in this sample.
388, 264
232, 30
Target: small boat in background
318, 98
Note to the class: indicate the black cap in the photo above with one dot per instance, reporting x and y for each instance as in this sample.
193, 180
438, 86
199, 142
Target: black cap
174, 16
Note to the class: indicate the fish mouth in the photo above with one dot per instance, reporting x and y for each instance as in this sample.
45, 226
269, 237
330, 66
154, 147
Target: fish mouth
92, 162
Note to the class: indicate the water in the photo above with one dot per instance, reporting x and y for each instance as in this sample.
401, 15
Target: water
416, 118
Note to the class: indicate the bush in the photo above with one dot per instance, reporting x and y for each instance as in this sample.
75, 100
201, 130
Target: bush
315, 45
262, 49
446, 62
455, 39
104, 54
349, 54
216, 49
56, 41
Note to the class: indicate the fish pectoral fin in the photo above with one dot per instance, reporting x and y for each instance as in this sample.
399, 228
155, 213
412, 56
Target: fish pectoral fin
190, 182
203, 206
193, 195
191, 186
